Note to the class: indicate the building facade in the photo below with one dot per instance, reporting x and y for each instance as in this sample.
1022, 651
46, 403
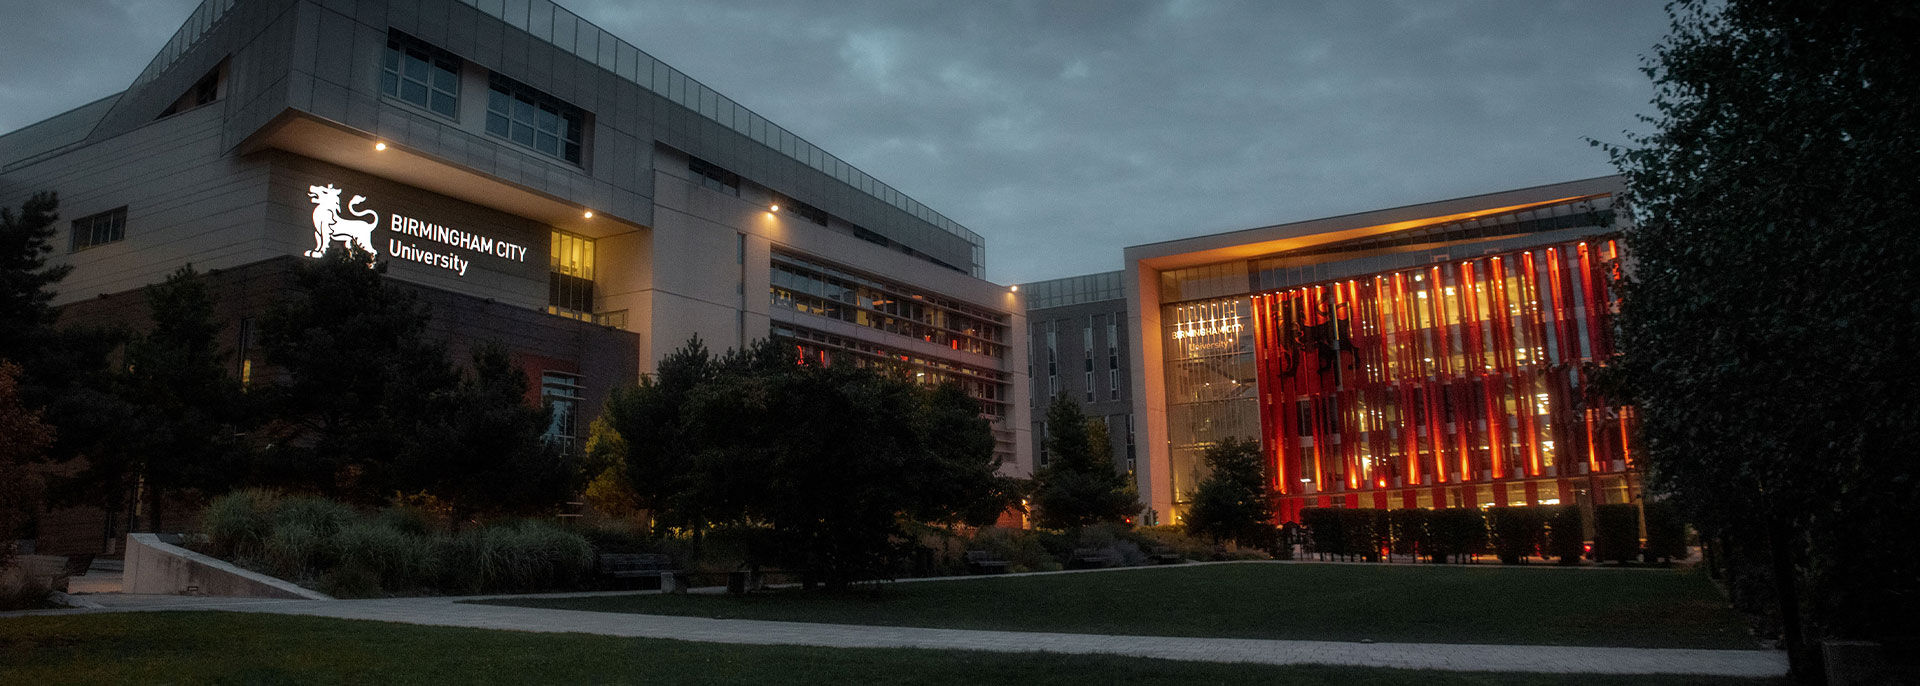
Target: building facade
1078, 347
555, 188
1436, 355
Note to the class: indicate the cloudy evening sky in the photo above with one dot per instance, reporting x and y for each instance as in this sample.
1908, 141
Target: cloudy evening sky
1063, 131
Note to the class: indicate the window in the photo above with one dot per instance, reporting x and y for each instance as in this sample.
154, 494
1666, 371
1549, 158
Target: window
561, 392
570, 276
1053, 364
803, 211
242, 349
99, 229
712, 177
1113, 358
1043, 444
203, 92
533, 119
417, 73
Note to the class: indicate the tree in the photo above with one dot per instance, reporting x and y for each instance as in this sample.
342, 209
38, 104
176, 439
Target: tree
64, 372
182, 398
487, 454
1079, 487
1772, 278
658, 461
26, 282
825, 463
26, 441
1231, 503
360, 383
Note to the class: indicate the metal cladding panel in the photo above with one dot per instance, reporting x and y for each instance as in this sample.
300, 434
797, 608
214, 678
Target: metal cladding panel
1464, 373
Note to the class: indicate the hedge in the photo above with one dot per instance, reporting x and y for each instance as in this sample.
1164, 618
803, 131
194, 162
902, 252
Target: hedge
1457, 533
1515, 532
1616, 532
1666, 534
1565, 538
1347, 533
1512, 533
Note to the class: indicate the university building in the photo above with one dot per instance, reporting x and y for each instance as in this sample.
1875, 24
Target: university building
1079, 344
545, 184
1435, 355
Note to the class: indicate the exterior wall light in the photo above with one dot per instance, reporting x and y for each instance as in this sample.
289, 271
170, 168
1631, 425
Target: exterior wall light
588, 214
773, 208
379, 146
1014, 288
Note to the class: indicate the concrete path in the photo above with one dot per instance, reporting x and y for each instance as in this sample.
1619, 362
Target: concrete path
1497, 658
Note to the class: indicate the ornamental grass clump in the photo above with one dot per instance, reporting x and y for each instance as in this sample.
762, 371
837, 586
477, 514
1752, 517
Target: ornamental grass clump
528, 555
374, 553
346, 553
237, 524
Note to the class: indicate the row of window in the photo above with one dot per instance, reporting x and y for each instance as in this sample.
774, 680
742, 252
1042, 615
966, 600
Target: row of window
815, 347
429, 78
921, 315
1086, 345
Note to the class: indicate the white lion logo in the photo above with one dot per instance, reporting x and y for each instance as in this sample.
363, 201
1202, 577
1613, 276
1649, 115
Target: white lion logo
329, 226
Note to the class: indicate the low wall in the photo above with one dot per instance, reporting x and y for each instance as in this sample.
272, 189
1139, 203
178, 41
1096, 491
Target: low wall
155, 567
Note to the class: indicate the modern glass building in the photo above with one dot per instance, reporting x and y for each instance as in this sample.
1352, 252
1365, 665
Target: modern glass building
543, 183
1436, 355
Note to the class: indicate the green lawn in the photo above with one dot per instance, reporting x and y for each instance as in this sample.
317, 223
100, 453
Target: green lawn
1416, 603
218, 647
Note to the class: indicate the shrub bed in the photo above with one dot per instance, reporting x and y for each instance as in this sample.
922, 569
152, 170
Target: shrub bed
329, 546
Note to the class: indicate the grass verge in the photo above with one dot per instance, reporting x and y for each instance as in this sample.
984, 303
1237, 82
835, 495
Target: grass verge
1400, 603
217, 647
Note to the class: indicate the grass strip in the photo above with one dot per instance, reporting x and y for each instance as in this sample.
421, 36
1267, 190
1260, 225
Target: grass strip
1637, 608
222, 647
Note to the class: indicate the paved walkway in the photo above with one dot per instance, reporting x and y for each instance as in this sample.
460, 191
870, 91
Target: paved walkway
451, 612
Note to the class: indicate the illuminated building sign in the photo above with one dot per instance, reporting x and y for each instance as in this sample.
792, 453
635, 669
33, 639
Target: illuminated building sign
357, 226
1213, 326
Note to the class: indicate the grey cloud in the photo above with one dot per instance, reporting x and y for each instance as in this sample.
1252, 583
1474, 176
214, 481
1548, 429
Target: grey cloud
1063, 131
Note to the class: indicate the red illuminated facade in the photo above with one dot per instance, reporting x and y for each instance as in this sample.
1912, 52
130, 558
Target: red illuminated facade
1431, 355
1461, 383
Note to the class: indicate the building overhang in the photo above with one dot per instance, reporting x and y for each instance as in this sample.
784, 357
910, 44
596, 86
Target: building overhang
306, 135
1268, 240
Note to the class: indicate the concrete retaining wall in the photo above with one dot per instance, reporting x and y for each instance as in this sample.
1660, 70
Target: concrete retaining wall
161, 568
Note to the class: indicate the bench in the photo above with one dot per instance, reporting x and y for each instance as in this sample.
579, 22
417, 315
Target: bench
622, 569
1166, 556
983, 562
1089, 558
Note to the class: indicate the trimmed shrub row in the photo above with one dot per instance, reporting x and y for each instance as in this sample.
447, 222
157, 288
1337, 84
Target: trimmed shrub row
1510, 533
